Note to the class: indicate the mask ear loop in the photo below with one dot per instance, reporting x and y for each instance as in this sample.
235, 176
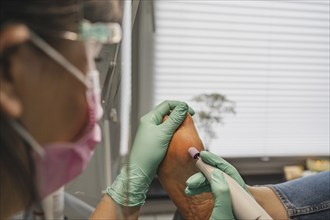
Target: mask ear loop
28, 138
59, 58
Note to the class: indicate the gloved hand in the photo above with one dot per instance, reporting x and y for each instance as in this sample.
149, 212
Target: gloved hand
198, 183
221, 164
220, 189
149, 149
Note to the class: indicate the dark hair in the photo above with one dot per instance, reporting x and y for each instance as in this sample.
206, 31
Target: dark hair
39, 15
59, 14
17, 167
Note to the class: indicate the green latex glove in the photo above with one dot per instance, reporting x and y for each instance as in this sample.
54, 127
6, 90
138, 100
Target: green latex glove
149, 149
221, 164
220, 189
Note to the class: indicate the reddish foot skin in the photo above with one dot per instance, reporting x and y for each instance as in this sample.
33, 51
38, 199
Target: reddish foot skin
178, 166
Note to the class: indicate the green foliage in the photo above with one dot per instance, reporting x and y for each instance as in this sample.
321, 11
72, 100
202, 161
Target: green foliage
211, 109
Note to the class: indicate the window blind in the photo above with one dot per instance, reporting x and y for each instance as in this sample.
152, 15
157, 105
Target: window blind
270, 57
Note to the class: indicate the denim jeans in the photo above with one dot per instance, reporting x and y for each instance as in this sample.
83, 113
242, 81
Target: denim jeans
306, 198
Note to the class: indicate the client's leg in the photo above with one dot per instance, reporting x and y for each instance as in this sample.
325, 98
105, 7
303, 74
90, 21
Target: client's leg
177, 167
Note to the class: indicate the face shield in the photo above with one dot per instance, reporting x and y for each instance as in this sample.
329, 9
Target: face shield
100, 12
96, 22
102, 42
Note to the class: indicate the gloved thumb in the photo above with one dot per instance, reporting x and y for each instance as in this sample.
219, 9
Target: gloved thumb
222, 200
197, 184
176, 117
212, 159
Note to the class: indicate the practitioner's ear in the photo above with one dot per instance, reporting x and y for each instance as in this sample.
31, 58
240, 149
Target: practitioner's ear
11, 35
10, 104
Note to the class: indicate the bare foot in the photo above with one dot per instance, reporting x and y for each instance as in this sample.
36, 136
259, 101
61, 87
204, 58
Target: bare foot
178, 166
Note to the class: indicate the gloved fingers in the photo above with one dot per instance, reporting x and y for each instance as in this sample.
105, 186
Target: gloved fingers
196, 180
191, 110
219, 184
197, 184
156, 115
164, 108
176, 118
224, 166
173, 104
222, 200
215, 161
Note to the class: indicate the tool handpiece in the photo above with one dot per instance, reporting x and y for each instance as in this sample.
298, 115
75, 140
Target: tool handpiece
244, 205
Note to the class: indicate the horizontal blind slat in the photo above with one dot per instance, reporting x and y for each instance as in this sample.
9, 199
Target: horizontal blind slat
270, 57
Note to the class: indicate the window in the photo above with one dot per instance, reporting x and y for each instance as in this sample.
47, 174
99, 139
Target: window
270, 57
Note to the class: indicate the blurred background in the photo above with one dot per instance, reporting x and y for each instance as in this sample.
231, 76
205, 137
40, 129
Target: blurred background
256, 72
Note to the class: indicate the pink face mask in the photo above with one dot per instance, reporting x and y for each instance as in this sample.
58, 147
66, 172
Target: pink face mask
62, 162
58, 163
